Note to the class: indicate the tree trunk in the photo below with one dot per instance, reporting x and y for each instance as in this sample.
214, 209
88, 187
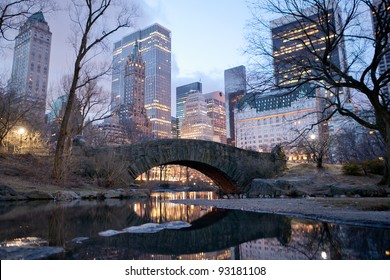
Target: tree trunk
58, 166
319, 162
386, 176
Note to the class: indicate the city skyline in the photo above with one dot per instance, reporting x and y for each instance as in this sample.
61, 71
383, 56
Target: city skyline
201, 49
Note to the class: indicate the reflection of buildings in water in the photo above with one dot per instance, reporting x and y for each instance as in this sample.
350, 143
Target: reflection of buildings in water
305, 243
175, 173
159, 210
218, 255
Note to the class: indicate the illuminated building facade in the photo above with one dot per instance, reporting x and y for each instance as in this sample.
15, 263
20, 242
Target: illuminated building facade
154, 43
235, 89
291, 39
181, 97
385, 61
216, 111
132, 113
278, 118
196, 124
30, 66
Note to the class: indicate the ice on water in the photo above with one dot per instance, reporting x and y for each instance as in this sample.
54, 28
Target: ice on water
110, 232
79, 240
147, 228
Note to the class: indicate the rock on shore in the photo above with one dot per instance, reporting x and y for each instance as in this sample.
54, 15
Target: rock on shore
9, 194
267, 188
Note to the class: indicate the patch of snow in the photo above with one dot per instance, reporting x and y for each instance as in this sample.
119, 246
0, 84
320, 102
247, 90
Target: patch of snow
147, 228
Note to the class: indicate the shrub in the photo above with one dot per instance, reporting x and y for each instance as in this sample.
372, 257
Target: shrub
374, 166
111, 171
352, 168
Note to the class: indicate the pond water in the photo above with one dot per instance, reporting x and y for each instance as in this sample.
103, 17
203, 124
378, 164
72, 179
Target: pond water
158, 229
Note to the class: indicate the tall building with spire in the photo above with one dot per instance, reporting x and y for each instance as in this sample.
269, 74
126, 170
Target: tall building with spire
132, 113
154, 44
30, 68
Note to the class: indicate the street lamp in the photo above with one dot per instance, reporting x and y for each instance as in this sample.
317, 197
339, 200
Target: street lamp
21, 132
312, 136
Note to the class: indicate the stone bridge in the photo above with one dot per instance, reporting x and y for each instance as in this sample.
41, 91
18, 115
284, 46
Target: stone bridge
231, 168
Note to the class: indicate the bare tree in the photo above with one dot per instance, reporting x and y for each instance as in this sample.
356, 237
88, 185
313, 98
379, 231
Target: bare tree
316, 148
14, 12
9, 116
13, 112
95, 104
94, 22
321, 61
92, 104
349, 145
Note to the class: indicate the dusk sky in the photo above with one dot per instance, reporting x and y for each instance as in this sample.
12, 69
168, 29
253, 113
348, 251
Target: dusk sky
207, 38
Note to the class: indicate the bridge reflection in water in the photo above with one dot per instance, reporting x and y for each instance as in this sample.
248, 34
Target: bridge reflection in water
211, 230
214, 234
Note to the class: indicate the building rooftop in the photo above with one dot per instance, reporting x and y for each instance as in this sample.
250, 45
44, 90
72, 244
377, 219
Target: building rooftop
38, 16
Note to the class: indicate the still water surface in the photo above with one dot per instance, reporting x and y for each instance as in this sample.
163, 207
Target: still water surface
157, 229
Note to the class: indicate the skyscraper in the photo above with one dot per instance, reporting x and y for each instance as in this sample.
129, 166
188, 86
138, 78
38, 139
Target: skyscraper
132, 113
294, 40
384, 64
181, 97
281, 116
196, 124
217, 112
155, 47
30, 66
235, 89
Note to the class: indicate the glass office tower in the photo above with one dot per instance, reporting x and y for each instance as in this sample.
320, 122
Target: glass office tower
235, 89
292, 39
155, 47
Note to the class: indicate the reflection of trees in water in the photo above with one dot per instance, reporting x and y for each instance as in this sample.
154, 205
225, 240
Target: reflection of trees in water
332, 241
313, 241
361, 243
57, 228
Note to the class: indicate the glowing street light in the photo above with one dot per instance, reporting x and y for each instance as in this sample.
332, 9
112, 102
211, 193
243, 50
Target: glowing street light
21, 131
312, 136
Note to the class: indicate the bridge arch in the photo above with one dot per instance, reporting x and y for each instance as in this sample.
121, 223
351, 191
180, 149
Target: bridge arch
218, 176
231, 168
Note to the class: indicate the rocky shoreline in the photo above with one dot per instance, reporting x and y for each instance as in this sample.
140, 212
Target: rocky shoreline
294, 188
302, 192
9, 194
